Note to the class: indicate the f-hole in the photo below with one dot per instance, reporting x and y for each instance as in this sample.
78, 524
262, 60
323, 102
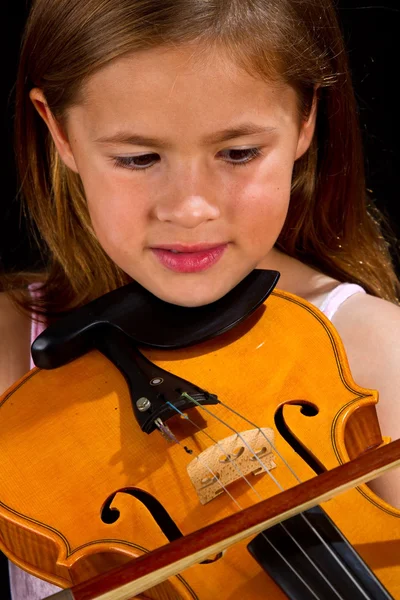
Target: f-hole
160, 515
308, 410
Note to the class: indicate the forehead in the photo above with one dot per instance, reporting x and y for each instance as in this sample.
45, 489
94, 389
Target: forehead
179, 88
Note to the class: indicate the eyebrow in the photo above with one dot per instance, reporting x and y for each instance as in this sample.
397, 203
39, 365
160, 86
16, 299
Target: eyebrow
224, 135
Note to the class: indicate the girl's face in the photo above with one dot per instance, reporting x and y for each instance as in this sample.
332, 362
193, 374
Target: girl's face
186, 161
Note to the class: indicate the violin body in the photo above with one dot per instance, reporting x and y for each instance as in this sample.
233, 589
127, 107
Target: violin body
69, 440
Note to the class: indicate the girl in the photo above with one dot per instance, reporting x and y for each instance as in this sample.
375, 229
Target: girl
184, 143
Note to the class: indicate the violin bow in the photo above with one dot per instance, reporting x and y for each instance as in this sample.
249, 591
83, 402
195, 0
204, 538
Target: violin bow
139, 574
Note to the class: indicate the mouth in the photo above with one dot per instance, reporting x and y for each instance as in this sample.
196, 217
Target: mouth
189, 248
183, 258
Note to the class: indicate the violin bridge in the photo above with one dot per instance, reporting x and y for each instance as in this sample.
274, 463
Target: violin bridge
230, 460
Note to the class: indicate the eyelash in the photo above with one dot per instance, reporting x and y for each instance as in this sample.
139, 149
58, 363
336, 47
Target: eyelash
126, 162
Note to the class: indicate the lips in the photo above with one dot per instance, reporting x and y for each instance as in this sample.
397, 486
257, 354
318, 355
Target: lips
188, 248
189, 259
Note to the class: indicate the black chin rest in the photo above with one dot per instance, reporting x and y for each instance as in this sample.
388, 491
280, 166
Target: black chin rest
149, 321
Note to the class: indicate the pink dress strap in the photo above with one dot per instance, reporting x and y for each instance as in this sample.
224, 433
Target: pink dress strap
339, 295
36, 326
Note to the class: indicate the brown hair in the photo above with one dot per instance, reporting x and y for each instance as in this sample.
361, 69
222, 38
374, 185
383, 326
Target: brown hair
299, 41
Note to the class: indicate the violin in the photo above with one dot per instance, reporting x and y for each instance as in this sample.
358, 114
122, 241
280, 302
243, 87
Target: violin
138, 430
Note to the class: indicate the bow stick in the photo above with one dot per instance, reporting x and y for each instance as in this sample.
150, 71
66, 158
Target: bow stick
155, 567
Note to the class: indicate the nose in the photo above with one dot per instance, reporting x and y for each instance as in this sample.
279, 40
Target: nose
189, 203
190, 212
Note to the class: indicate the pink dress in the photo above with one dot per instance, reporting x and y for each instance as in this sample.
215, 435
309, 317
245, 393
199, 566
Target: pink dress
27, 587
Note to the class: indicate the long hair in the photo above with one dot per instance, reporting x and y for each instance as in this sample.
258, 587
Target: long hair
330, 224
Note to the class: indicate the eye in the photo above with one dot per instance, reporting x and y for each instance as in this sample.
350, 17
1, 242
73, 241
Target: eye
241, 156
234, 156
136, 163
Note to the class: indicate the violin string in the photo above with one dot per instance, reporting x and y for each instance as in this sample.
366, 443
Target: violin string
289, 534
240, 436
232, 410
171, 437
293, 569
167, 433
304, 517
217, 443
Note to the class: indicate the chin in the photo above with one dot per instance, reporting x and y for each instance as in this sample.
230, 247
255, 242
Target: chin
192, 296
190, 300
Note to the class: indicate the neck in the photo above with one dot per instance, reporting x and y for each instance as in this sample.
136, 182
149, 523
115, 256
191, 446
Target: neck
297, 277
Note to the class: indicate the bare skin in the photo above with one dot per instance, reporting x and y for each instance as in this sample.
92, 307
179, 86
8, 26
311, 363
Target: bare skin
15, 330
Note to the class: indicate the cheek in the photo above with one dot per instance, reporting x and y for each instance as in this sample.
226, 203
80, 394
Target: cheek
117, 209
261, 204
262, 220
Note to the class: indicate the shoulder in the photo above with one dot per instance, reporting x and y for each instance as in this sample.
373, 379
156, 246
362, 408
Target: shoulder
370, 330
14, 342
